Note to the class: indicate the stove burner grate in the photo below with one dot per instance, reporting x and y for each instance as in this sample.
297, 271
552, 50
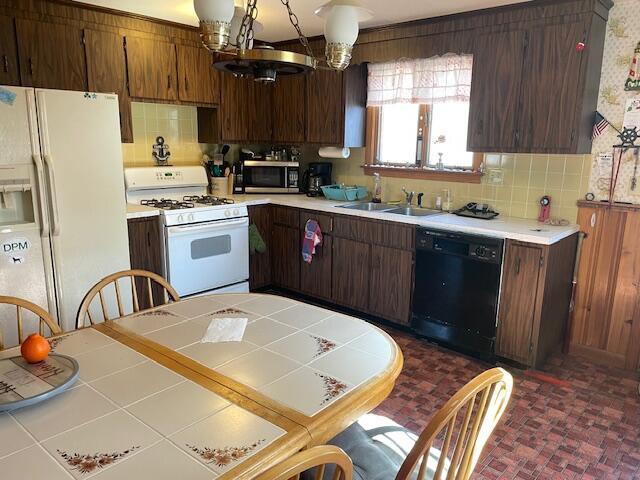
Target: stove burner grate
167, 204
208, 200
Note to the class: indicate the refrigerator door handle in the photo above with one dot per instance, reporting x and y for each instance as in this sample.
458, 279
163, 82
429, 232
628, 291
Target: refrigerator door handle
55, 220
44, 217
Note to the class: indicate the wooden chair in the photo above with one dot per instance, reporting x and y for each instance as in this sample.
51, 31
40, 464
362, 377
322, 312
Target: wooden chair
481, 402
146, 279
42, 314
447, 449
316, 457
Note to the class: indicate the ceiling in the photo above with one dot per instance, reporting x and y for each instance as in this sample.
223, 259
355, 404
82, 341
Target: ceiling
272, 13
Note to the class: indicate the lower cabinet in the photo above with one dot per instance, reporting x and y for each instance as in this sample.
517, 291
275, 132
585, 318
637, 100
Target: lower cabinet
145, 253
351, 273
517, 308
285, 260
535, 299
260, 262
391, 283
315, 277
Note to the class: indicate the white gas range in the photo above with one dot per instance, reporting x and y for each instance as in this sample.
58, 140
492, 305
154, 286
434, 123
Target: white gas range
206, 238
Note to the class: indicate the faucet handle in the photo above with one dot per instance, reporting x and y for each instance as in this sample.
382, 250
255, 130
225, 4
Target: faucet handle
420, 195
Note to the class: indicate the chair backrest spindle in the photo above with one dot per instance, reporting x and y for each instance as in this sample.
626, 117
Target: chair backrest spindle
44, 318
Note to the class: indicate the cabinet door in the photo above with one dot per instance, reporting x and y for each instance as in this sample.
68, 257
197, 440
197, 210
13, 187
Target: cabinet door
550, 88
285, 258
391, 283
233, 108
145, 254
51, 55
151, 65
495, 92
315, 277
351, 270
518, 302
198, 81
325, 108
9, 73
107, 73
289, 110
259, 125
260, 263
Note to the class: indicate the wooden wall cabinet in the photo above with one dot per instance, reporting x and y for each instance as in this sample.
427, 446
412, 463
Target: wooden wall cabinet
9, 68
245, 110
198, 81
534, 299
336, 107
606, 324
145, 254
51, 55
151, 65
289, 112
532, 90
107, 72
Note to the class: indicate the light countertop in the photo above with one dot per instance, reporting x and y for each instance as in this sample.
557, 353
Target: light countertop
525, 230
141, 211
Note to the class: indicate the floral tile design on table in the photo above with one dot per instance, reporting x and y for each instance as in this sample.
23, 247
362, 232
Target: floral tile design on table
314, 390
324, 345
227, 438
303, 347
146, 322
224, 456
90, 463
332, 387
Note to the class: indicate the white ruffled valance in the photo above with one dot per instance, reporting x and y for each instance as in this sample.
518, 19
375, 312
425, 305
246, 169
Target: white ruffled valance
427, 80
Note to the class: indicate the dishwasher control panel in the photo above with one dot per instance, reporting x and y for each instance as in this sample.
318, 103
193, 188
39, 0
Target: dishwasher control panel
477, 247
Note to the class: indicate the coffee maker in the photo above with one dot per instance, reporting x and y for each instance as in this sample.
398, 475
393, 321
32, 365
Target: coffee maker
317, 175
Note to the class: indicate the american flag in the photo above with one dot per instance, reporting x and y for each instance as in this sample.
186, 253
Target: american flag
600, 125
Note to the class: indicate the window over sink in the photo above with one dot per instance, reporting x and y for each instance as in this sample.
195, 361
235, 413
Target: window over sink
417, 112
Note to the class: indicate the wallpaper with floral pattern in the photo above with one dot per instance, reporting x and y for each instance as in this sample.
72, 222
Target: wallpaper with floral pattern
623, 34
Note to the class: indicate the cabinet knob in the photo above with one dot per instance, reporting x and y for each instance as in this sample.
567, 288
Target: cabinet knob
5, 63
593, 219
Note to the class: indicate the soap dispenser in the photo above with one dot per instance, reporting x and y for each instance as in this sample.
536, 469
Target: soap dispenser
377, 188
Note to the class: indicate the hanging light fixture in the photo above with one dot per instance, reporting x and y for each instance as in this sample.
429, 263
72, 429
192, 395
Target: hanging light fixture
215, 22
236, 23
341, 28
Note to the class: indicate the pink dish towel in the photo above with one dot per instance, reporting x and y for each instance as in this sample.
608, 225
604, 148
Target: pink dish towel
312, 238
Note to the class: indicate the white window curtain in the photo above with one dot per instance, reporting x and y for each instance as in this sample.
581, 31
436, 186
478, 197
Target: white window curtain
426, 80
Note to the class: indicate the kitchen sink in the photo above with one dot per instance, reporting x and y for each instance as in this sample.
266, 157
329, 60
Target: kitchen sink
414, 212
369, 206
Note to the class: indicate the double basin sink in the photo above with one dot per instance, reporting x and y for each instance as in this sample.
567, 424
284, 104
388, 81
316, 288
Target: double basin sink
386, 208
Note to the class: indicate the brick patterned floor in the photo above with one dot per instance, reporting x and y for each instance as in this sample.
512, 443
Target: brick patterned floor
590, 430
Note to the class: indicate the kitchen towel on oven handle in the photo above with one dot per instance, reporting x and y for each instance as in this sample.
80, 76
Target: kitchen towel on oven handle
312, 238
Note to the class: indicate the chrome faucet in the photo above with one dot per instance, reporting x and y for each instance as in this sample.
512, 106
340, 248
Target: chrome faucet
408, 195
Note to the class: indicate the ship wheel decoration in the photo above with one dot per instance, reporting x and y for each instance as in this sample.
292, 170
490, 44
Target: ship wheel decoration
628, 137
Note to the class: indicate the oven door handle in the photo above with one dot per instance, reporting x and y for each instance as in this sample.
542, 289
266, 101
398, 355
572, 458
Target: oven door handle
211, 226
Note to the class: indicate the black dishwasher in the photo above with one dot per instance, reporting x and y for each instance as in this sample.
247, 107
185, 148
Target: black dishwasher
455, 297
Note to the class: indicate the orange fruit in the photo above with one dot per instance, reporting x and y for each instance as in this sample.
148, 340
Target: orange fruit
35, 348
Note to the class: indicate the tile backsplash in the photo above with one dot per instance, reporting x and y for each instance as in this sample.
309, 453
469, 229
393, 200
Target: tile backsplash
525, 178
176, 123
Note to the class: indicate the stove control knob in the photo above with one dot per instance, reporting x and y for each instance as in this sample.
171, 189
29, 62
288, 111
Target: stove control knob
180, 218
227, 213
190, 217
481, 251
236, 212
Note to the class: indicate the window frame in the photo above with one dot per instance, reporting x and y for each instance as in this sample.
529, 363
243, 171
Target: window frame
417, 170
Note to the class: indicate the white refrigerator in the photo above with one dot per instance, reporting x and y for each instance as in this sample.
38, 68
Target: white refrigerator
63, 220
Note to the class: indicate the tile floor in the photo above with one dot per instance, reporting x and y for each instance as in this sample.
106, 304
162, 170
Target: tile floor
590, 430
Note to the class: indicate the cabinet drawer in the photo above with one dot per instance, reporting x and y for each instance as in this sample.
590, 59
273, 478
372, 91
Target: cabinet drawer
387, 234
289, 217
325, 221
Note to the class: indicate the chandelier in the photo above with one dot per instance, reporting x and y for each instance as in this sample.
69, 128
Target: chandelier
219, 29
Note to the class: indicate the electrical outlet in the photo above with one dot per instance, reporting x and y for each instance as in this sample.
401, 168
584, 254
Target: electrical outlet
496, 176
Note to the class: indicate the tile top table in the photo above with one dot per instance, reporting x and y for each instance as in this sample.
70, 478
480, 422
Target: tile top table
154, 402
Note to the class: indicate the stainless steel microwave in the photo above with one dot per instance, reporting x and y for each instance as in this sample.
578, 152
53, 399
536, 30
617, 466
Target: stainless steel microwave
263, 176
